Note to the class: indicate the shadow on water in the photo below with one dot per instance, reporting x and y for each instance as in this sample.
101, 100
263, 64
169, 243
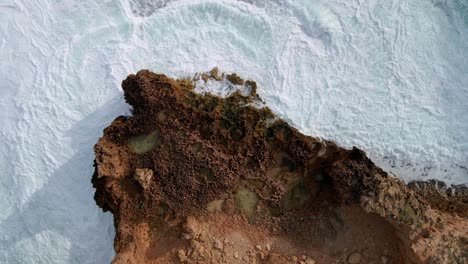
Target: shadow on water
64, 207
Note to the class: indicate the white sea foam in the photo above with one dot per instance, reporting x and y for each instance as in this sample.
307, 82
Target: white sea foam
387, 76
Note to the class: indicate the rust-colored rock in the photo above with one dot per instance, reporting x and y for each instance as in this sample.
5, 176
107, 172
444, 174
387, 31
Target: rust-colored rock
235, 79
196, 178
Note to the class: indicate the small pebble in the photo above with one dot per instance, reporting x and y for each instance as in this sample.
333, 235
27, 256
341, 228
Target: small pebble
162, 116
354, 258
384, 260
182, 255
218, 244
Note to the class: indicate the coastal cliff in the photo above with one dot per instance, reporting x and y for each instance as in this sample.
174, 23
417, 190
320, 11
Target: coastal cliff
196, 178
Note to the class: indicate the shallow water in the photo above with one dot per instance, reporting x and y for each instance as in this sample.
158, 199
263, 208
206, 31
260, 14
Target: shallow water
144, 143
385, 75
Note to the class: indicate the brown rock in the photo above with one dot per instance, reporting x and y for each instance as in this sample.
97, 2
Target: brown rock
214, 73
235, 79
263, 182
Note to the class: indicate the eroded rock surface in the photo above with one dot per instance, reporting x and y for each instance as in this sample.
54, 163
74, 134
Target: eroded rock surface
194, 178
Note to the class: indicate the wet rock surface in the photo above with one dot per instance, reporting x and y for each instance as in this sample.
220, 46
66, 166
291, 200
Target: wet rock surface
194, 178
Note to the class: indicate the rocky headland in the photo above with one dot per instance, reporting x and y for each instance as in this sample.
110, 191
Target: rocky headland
195, 178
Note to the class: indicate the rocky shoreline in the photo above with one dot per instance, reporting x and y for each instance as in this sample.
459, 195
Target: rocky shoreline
195, 178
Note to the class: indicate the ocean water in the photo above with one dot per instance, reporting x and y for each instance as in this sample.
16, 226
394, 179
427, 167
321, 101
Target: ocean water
388, 76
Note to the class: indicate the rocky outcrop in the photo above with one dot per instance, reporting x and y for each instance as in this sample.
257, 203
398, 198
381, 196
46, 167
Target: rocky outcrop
193, 178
